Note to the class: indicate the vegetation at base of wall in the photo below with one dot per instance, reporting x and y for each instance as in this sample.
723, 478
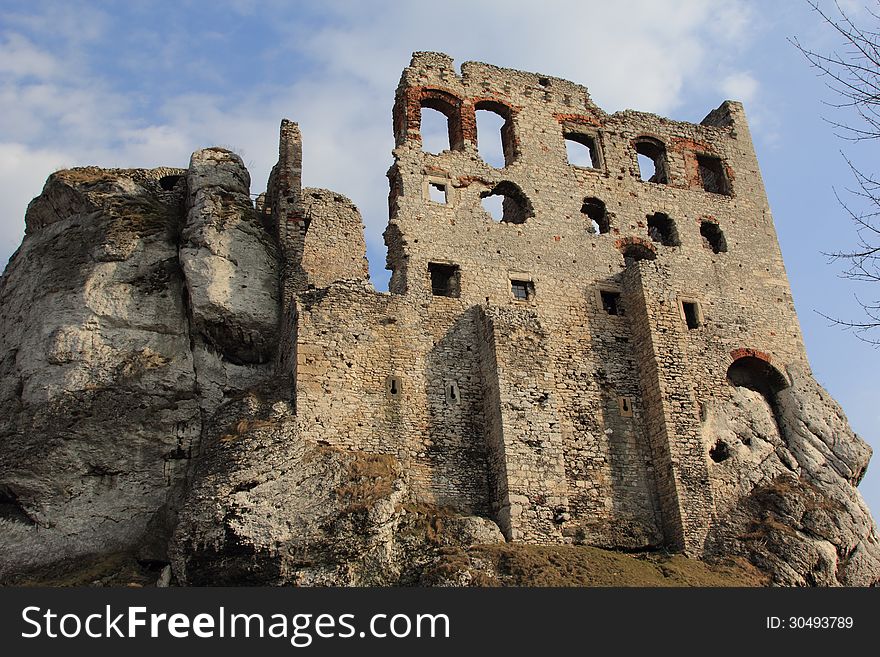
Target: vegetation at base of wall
577, 565
116, 569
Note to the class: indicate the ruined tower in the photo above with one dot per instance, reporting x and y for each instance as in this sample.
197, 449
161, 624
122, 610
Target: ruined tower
553, 368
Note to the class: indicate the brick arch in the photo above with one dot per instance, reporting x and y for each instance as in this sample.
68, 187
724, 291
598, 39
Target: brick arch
754, 369
636, 247
742, 352
509, 140
408, 114
655, 149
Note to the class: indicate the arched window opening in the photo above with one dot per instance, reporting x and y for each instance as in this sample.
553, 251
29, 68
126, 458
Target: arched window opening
637, 251
597, 215
759, 375
582, 150
661, 229
495, 136
652, 160
435, 130
490, 141
515, 207
756, 374
713, 237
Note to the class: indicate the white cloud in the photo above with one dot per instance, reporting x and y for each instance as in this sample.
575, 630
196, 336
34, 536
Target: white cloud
22, 172
739, 86
20, 58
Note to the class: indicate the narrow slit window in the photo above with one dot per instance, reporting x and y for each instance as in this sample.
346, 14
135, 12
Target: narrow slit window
453, 394
437, 192
625, 406
393, 386
445, 279
611, 302
522, 290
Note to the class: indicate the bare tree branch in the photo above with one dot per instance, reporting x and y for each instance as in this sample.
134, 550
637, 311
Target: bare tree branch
852, 73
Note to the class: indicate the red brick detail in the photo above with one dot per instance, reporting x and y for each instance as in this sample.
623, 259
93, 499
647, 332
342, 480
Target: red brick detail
743, 352
464, 181
623, 242
683, 144
509, 140
408, 114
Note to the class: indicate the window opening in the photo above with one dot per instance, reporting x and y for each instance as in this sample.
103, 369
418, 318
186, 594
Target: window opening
437, 192
662, 229
453, 395
597, 215
435, 130
522, 290
393, 386
691, 314
490, 137
515, 207
652, 160
611, 302
445, 279
581, 150
712, 175
713, 237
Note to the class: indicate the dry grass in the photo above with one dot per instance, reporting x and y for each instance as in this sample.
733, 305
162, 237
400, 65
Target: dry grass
243, 427
369, 478
118, 569
576, 565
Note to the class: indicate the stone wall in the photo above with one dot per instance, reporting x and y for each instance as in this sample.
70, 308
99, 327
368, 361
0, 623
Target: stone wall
583, 335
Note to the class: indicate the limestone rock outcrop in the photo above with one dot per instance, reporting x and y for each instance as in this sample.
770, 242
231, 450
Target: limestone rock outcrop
269, 506
111, 352
784, 482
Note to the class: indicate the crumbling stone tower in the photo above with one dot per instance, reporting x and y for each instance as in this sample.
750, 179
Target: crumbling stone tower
553, 369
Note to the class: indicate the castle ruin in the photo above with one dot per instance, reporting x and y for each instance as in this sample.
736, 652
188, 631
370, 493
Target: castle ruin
554, 369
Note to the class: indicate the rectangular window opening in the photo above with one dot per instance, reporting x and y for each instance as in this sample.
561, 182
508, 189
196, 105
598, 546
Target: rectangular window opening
581, 150
691, 311
437, 192
712, 175
445, 280
611, 302
522, 290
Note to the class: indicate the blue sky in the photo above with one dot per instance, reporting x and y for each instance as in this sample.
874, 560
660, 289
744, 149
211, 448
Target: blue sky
142, 84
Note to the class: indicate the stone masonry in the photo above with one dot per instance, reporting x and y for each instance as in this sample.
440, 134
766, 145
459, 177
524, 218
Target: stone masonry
552, 370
